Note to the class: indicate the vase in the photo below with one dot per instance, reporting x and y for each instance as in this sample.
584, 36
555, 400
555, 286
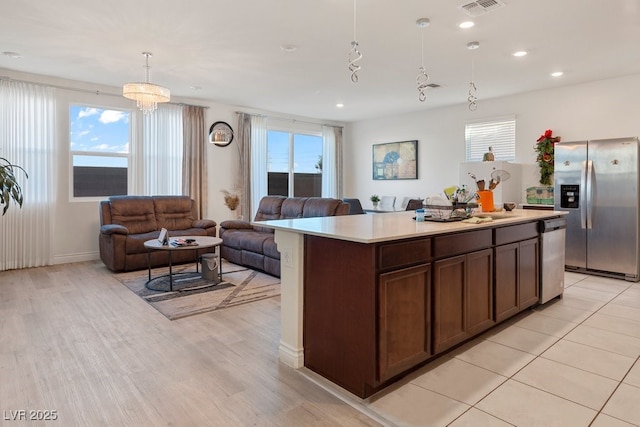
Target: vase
375, 205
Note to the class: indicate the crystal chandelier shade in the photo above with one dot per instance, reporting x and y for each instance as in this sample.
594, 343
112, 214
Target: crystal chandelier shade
147, 95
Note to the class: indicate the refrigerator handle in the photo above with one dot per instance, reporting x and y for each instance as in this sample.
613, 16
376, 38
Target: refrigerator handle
590, 195
583, 196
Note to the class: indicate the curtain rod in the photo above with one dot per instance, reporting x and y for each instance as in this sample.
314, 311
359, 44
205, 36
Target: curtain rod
96, 92
291, 120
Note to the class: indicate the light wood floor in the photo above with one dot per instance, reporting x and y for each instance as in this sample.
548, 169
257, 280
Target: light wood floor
74, 340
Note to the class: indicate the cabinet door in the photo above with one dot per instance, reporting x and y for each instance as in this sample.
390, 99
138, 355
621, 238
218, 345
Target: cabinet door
404, 314
506, 281
449, 326
479, 292
529, 287
517, 277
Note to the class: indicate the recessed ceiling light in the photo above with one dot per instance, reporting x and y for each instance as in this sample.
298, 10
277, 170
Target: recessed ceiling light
466, 24
339, 105
195, 87
288, 48
520, 53
557, 74
13, 55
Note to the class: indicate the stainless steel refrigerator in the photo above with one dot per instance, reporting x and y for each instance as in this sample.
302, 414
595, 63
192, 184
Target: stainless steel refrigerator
597, 182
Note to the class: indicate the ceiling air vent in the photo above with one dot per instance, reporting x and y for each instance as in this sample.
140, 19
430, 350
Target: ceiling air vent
480, 7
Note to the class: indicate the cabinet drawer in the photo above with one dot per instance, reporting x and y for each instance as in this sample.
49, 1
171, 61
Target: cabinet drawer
515, 233
454, 244
404, 253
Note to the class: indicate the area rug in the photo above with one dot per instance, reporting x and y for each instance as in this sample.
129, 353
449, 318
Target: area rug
193, 295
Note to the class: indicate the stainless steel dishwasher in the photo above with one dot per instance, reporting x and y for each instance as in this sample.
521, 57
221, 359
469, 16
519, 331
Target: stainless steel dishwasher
552, 240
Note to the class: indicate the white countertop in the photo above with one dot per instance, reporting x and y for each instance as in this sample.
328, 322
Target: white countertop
372, 228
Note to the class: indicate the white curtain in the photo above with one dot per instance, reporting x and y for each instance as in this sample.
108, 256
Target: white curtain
332, 162
27, 139
158, 160
258, 162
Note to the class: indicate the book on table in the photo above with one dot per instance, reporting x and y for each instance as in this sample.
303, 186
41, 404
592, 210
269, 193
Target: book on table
184, 242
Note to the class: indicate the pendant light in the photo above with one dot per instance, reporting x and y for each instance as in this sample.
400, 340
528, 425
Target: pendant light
422, 77
354, 53
472, 98
146, 94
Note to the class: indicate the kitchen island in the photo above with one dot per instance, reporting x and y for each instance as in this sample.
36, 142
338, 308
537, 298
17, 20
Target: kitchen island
368, 298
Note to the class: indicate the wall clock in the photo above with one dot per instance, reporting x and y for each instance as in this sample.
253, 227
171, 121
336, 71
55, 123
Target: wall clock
220, 134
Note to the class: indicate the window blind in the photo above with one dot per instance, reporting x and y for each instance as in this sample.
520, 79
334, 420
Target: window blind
499, 134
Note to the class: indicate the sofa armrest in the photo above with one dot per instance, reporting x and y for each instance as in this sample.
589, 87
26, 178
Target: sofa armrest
204, 223
236, 224
113, 229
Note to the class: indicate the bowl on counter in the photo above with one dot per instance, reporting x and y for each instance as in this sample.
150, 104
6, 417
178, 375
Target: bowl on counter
509, 206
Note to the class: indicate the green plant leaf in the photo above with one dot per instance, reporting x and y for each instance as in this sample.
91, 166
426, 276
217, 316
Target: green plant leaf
9, 187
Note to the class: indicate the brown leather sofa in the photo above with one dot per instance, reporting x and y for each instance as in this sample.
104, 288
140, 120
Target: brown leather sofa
126, 222
254, 246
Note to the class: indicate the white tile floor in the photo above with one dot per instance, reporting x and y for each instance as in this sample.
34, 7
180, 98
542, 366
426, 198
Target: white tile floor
571, 362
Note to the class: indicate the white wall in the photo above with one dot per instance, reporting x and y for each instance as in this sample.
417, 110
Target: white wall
602, 109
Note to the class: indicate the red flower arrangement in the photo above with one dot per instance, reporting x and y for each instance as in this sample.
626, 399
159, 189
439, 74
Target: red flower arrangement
545, 158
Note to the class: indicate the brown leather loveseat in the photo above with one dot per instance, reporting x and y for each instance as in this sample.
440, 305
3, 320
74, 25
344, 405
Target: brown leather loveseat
254, 246
126, 222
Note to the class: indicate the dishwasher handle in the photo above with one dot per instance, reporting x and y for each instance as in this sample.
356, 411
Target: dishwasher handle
552, 224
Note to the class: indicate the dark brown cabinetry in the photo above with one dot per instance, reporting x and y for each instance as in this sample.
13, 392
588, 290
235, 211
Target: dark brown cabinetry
463, 298
367, 310
373, 312
516, 269
404, 313
339, 330
506, 279
529, 268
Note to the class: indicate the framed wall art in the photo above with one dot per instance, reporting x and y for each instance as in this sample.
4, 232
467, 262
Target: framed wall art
395, 160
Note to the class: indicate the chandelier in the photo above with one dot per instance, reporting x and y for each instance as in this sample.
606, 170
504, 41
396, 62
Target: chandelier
147, 95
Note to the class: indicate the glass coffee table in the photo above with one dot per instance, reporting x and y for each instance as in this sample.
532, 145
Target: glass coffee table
198, 243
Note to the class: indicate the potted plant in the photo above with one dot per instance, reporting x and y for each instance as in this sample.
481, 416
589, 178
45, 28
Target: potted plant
375, 199
9, 186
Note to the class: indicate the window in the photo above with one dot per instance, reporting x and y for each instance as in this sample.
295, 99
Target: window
294, 164
99, 149
499, 134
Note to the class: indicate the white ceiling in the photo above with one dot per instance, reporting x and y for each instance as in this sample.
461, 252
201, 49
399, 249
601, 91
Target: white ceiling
231, 50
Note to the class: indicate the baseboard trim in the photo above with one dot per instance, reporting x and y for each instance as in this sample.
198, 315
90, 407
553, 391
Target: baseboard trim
69, 258
291, 356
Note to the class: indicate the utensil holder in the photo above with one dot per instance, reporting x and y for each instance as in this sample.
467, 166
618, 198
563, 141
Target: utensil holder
486, 200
